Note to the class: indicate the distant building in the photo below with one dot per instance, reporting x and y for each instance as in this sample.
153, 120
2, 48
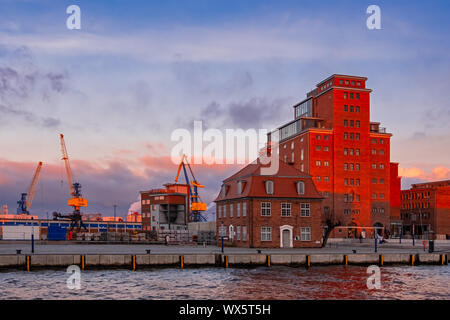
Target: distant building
333, 139
165, 209
425, 209
270, 211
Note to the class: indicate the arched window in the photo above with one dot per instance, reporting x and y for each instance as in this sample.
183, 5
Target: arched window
300, 188
269, 187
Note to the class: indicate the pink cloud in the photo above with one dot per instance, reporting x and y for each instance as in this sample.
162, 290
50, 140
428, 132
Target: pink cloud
437, 173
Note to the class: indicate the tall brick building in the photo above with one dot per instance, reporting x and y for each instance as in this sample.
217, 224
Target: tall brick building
270, 211
333, 139
426, 208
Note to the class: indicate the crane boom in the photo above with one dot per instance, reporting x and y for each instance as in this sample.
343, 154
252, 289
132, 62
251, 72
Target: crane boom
26, 199
67, 165
196, 205
32, 189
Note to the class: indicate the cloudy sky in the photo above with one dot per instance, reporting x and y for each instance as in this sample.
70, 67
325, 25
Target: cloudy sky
138, 70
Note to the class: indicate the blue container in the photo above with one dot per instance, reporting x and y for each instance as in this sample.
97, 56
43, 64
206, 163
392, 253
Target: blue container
56, 232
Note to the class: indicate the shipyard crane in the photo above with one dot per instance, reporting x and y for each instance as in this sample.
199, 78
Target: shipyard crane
77, 201
27, 198
197, 207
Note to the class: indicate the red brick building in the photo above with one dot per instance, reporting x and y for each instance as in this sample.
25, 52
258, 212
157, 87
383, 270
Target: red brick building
270, 211
426, 209
333, 139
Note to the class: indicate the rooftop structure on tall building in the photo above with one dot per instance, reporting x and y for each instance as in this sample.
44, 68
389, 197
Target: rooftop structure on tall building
425, 210
333, 139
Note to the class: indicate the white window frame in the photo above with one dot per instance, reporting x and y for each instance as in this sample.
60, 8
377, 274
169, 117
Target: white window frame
305, 233
286, 209
244, 209
266, 233
231, 210
267, 208
305, 210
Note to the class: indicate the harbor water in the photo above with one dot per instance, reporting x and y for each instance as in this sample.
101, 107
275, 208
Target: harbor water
287, 283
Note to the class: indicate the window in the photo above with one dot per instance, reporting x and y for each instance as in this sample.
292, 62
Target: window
352, 123
244, 233
351, 108
345, 151
326, 149
374, 140
224, 191
381, 195
345, 166
292, 145
285, 209
381, 210
305, 233
326, 163
341, 82
326, 137
374, 195
318, 178
305, 210
347, 211
244, 209
239, 187
238, 209
381, 151
358, 198
381, 181
219, 211
345, 95
238, 233
265, 209
353, 83
326, 179
381, 165
345, 108
326, 194
352, 135
357, 182
381, 141
318, 163
357, 109
345, 123
345, 182
300, 187
318, 137
374, 151
374, 165
345, 135
357, 152
358, 136
374, 210
224, 211
266, 234
269, 187
301, 155
351, 151
351, 166
352, 182
357, 123
231, 210
318, 148
351, 95
374, 181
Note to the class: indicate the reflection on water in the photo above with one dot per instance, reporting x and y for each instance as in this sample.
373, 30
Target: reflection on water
332, 282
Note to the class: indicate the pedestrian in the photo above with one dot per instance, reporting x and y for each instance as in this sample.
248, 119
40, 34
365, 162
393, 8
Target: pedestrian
360, 237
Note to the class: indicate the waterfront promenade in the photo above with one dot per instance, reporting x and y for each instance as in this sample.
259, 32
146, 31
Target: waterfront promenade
392, 246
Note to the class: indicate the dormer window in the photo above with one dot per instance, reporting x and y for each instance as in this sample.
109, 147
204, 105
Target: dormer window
269, 187
239, 187
300, 188
224, 191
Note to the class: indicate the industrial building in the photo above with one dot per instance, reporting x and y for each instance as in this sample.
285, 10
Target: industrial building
333, 139
165, 209
269, 211
425, 210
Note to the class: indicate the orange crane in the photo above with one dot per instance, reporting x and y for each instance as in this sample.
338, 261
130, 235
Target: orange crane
27, 198
77, 201
197, 207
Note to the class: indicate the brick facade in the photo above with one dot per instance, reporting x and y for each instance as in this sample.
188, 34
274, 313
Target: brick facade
244, 213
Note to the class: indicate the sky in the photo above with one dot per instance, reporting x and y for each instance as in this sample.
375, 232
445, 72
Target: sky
138, 70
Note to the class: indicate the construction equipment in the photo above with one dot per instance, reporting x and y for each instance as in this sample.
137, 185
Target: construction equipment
77, 201
197, 207
27, 198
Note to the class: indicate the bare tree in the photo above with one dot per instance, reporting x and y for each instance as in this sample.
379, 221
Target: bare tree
331, 223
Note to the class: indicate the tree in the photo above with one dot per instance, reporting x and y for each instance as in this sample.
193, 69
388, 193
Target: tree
330, 223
